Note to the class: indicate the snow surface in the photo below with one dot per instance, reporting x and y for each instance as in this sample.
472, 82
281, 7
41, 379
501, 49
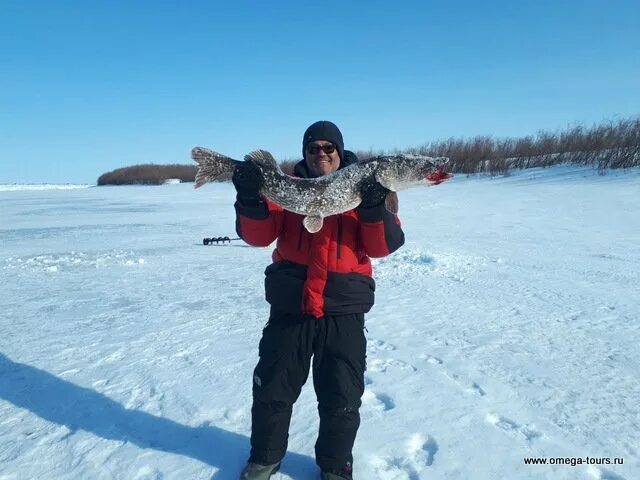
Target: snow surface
507, 327
12, 187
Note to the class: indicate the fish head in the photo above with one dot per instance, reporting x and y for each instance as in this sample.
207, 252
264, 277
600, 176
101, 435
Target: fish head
403, 171
434, 172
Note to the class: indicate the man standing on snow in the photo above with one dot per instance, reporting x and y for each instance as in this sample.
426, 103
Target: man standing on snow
319, 287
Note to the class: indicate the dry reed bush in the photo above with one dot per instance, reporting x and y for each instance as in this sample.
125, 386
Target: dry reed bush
608, 145
287, 166
614, 144
148, 174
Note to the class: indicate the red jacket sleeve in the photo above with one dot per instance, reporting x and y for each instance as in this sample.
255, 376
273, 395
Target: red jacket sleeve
379, 231
258, 224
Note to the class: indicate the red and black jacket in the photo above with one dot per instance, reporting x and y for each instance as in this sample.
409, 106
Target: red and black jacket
325, 273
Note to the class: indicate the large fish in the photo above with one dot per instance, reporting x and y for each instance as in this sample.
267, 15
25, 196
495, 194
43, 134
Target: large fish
337, 192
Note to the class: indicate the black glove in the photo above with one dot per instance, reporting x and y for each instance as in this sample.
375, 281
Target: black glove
247, 179
373, 195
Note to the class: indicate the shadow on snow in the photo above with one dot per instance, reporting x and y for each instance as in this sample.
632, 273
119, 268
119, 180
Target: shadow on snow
79, 408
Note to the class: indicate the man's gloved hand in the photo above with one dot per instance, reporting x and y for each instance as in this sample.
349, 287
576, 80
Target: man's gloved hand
247, 179
373, 195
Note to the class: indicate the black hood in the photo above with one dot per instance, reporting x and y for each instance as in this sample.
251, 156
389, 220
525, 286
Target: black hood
301, 170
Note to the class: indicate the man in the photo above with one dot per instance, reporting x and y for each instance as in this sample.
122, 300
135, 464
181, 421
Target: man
319, 287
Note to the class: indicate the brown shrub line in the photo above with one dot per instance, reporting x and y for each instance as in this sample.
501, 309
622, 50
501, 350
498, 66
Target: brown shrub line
148, 174
613, 144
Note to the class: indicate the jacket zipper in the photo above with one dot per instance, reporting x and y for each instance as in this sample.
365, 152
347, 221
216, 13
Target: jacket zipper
300, 236
339, 234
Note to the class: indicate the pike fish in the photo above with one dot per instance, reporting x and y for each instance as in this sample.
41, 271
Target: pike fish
331, 194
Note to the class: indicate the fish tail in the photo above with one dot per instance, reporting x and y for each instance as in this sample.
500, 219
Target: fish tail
211, 165
262, 158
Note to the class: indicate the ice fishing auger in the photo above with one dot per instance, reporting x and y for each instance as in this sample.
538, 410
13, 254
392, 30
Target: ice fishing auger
218, 240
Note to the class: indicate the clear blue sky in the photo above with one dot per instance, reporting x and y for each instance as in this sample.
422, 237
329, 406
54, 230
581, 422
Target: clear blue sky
86, 87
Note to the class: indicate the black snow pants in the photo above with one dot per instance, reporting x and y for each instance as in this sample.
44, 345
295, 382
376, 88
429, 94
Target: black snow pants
338, 347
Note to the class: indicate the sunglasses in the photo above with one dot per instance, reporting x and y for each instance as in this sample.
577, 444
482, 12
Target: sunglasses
314, 148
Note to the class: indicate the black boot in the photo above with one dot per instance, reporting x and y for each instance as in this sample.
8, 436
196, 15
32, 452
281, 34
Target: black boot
345, 472
256, 471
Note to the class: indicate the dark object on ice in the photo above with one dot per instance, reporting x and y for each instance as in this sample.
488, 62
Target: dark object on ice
217, 240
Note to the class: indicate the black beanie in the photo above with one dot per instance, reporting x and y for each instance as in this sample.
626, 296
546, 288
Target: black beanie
323, 130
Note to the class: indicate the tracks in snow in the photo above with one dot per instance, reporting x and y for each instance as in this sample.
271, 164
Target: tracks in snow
412, 459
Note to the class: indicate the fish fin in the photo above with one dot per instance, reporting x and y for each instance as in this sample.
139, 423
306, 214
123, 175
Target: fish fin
313, 223
261, 157
211, 165
391, 202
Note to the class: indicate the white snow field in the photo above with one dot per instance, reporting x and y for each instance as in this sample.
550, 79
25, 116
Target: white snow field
507, 327
13, 187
